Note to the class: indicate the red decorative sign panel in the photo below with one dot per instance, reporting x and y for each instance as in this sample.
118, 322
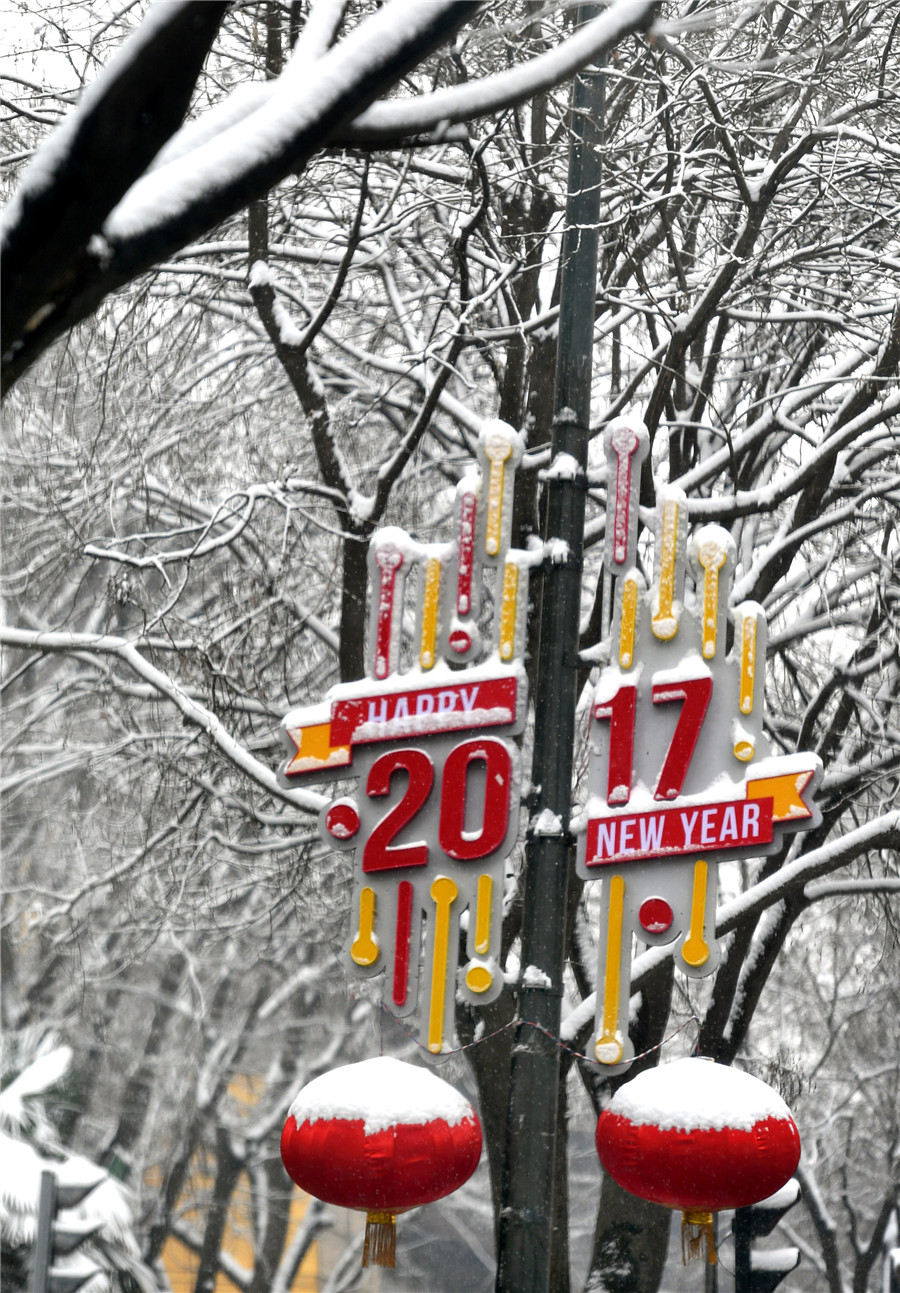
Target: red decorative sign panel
728, 825
436, 812
680, 776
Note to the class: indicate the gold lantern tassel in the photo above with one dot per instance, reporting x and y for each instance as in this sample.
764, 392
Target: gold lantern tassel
380, 1247
697, 1235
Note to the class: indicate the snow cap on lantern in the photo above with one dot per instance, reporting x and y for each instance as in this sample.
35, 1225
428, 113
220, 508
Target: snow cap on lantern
700, 1137
381, 1136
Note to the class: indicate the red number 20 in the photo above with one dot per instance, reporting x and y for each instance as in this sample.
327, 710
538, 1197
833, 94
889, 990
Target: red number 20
456, 841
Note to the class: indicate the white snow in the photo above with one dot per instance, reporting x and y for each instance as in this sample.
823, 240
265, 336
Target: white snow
45, 1070
281, 117
774, 1259
558, 551
52, 154
609, 1052
23, 1165
427, 724
493, 93
536, 978
288, 332
497, 436
547, 823
697, 1095
384, 1092
260, 275
361, 505
783, 1198
563, 467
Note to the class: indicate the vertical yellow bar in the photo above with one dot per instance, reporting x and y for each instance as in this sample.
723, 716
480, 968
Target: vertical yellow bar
711, 556
664, 623
608, 1047
628, 621
483, 914
744, 745
695, 951
497, 452
364, 950
430, 604
748, 663
508, 607
443, 891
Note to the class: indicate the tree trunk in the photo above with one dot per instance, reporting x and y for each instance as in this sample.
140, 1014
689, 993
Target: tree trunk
228, 1168
630, 1243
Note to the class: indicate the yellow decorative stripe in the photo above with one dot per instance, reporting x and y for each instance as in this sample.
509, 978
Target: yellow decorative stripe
608, 1047
664, 623
364, 950
443, 891
711, 556
483, 916
628, 622
695, 951
748, 663
508, 606
497, 451
430, 604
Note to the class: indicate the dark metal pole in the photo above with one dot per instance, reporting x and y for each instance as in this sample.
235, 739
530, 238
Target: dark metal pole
43, 1244
526, 1220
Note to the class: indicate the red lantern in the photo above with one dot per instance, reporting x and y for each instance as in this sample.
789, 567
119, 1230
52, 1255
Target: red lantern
700, 1137
381, 1137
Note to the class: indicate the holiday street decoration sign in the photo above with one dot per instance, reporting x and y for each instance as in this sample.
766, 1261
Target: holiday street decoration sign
437, 808
680, 776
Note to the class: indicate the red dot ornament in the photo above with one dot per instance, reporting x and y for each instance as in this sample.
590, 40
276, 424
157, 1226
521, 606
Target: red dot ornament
700, 1137
460, 641
342, 819
380, 1137
655, 915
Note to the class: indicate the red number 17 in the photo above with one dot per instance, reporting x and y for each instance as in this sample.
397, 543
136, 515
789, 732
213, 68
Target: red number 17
621, 708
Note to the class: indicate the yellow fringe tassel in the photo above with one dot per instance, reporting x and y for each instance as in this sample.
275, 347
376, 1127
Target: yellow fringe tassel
697, 1236
380, 1247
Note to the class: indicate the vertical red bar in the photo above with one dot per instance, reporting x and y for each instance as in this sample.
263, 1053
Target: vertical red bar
389, 559
620, 710
401, 942
466, 554
624, 443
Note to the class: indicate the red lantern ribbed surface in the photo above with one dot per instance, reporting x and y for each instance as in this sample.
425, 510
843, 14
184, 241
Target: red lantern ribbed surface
699, 1136
381, 1137
399, 1167
699, 1170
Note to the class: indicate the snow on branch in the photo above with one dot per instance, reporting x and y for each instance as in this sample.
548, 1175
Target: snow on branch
768, 497
394, 118
86, 165
193, 711
88, 221
298, 117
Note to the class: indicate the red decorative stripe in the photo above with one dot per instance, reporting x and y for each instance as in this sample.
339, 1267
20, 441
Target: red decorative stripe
401, 945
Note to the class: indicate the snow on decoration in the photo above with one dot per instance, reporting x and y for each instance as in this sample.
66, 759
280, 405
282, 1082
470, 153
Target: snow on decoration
380, 1137
679, 774
438, 808
700, 1137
